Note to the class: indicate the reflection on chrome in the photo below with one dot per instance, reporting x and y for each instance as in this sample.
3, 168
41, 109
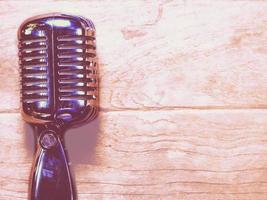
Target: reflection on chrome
59, 22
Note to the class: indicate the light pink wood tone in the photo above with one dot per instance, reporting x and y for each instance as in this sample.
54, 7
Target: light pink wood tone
166, 54
183, 102
214, 154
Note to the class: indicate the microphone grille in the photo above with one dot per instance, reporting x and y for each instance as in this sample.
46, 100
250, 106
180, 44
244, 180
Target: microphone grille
33, 59
77, 70
59, 79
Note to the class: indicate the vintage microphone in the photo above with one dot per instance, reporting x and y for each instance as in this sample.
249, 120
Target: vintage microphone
59, 89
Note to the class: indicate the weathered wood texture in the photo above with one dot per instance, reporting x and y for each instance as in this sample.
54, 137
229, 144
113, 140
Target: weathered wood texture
194, 155
183, 101
157, 55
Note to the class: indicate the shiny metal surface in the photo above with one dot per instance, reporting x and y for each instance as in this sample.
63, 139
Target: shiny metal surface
59, 88
57, 55
51, 180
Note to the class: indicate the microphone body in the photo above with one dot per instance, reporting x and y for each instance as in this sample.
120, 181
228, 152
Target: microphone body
59, 89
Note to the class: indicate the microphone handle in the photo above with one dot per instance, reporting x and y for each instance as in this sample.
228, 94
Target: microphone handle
50, 178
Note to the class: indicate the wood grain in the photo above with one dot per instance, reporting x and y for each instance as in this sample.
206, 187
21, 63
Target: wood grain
166, 54
183, 154
183, 88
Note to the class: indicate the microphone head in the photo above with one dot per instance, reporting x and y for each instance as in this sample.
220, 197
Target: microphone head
58, 68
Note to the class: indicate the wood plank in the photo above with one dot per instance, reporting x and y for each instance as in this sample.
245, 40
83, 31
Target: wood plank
186, 154
170, 54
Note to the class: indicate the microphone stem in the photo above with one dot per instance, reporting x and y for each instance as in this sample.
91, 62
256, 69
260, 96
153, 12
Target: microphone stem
51, 177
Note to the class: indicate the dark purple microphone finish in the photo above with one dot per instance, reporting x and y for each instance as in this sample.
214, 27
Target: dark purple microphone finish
59, 89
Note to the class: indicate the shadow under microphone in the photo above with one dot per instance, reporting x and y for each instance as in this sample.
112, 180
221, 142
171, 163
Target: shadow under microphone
59, 90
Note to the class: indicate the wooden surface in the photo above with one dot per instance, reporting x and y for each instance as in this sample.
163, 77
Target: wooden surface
183, 102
